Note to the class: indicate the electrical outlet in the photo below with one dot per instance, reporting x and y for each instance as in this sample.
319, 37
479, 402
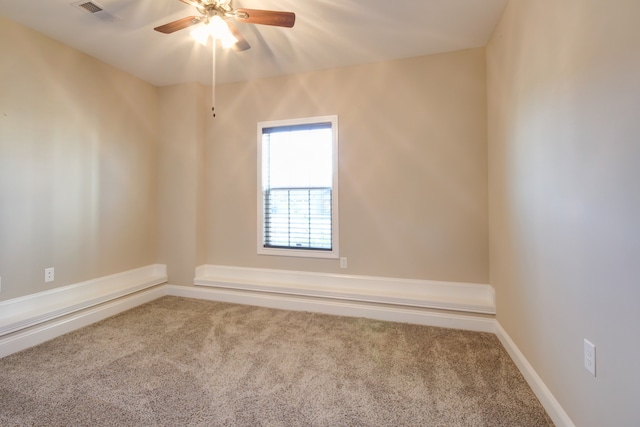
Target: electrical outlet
343, 262
0, 283
590, 357
48, 275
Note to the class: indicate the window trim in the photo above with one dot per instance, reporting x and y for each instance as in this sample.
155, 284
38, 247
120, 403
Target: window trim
335, 231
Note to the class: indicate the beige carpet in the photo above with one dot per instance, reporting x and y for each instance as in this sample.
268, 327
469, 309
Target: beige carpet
183, 362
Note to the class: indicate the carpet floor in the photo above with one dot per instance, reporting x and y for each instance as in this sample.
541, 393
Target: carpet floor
185, 362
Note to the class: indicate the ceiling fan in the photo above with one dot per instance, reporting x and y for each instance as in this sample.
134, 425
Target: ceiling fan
215, 17
223, 9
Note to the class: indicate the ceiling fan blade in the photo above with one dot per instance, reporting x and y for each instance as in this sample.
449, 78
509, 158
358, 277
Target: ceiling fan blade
266, 17
178, 25
241, 44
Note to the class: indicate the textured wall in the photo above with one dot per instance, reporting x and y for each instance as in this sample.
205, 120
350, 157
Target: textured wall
413, 166
564, 97
77, 165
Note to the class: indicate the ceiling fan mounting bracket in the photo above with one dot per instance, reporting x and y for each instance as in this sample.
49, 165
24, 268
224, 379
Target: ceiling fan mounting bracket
238, 14
214, 9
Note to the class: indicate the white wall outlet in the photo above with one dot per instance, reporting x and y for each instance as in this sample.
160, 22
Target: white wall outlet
590, 357
48, 275
343, 262
0, 283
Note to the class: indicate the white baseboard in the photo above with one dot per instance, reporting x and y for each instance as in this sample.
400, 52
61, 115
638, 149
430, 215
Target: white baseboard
387, 312
417, 294
33, 336
23, 312
35, 318
546, 398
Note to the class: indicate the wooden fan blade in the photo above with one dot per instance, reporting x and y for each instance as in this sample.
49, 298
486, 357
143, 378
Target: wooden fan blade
178, 25
266, 17
241, 44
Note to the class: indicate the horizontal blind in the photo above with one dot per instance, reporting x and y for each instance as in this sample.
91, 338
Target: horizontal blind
298, 218
296, 128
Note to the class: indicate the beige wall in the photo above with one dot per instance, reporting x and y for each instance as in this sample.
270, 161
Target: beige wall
181, 222
564, 150
77, 165
85, 147
413, 166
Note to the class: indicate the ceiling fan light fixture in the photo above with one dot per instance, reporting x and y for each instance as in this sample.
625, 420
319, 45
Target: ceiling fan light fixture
217, 29
220, 30
201, 34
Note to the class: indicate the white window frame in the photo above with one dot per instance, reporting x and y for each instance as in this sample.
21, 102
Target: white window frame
305, 253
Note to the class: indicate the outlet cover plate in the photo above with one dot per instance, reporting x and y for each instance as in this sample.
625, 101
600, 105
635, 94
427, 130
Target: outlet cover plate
49, 275
590, 357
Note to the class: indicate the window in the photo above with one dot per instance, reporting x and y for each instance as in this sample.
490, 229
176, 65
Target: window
298, 187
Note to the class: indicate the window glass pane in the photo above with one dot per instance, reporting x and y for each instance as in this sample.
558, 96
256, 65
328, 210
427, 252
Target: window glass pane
297, 159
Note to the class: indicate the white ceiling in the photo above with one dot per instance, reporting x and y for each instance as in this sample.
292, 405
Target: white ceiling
327, 34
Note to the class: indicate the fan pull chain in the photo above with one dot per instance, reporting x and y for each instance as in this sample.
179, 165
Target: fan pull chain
213, 79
